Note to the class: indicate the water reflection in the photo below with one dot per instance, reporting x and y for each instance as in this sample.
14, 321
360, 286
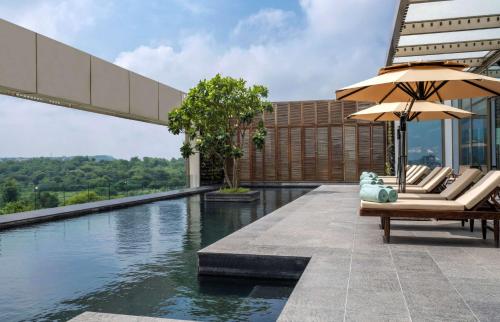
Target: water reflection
139, 260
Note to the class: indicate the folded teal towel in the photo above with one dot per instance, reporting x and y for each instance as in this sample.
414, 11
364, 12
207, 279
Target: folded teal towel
365, 175
373, 193
376, 181
393, 194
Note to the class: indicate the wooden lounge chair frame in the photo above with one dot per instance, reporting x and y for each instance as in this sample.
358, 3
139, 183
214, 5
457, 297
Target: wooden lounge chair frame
486, 209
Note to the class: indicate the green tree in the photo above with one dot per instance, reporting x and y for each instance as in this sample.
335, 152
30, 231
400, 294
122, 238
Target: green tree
216, 115
10, 191
16, 206
48, 200
82, 197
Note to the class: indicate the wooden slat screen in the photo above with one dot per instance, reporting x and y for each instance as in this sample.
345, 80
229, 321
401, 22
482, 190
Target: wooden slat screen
284, 162
295, 113
244, 162
312, 141
309, 153
269, 118
322, 152
322, 113
308, 113
296, 155
337, 153
364, 145
348, 108
257, 165
270, 155
282, 114
378, 149
336, 115
350, 168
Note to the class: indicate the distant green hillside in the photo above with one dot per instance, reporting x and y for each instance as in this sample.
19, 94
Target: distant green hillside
28, 183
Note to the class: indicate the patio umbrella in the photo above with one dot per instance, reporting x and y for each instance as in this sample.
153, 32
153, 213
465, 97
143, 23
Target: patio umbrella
419, 81
421, 111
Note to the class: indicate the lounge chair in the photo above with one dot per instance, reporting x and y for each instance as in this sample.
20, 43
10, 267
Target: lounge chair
479, 202
414, 178
452, 191
432, 182
409, 171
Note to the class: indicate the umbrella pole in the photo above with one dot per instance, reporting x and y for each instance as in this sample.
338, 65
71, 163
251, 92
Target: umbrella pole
403, 152
403, 159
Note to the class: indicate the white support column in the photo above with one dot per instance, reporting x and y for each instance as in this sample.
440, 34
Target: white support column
448, 143
456, 147
194, 171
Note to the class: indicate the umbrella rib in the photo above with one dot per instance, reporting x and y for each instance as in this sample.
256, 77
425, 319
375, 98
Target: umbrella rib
431, 85
404, 89
437, 93
389, 93
481, 87
376, 119
452, 115
436, 89
351, 93
414, 116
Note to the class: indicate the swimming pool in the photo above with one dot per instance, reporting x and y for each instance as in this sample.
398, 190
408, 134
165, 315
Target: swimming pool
139, 260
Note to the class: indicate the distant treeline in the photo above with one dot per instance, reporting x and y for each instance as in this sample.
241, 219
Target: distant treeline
23, 180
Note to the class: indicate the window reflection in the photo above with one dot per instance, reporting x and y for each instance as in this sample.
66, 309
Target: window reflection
474, 132
425, 143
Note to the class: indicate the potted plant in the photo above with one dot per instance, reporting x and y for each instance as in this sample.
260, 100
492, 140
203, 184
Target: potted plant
216, 116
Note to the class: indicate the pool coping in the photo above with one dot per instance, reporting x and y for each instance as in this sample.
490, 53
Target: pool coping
58, 213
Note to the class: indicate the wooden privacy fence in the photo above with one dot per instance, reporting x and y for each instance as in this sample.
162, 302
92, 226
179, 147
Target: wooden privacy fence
312, 141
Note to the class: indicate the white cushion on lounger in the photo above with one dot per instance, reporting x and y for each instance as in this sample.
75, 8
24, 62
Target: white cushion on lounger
410, 204
480, 190
415, 189
429, 176
418, 175
422, 196
460, 183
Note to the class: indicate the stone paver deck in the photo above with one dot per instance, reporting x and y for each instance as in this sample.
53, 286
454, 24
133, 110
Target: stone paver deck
47, 214
432, 270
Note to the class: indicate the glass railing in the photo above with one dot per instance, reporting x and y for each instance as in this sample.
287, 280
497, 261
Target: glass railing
38, 196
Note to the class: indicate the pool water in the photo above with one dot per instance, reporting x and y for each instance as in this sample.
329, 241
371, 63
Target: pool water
139, 260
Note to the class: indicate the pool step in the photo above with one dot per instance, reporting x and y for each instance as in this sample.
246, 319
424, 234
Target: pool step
256, 266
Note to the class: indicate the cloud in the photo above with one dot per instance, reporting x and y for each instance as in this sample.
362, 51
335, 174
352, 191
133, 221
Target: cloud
61, 20
264, 26
192, 6
341, 43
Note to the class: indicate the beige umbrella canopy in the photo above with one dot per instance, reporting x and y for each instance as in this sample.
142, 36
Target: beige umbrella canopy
421, 111
419, 81
429, 81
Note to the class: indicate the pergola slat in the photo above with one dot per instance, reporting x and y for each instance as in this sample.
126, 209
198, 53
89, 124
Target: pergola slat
448, 48
451, 25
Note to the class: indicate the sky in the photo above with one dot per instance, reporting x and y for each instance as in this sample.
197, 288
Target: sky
304, 49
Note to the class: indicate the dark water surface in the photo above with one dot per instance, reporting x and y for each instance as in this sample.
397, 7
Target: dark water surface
139, 260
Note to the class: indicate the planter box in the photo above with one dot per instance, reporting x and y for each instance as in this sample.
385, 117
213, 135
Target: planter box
232, 197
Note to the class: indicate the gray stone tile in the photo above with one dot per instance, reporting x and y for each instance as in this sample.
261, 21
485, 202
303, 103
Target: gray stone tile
364, 305
310, 314
437, 305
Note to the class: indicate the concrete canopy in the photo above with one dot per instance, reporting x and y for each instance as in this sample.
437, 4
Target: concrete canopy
39, 68
462, 31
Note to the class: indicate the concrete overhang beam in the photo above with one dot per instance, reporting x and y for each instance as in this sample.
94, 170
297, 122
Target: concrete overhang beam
38, 68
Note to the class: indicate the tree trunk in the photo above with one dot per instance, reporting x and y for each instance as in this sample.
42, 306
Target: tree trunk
226, 175
236, 177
